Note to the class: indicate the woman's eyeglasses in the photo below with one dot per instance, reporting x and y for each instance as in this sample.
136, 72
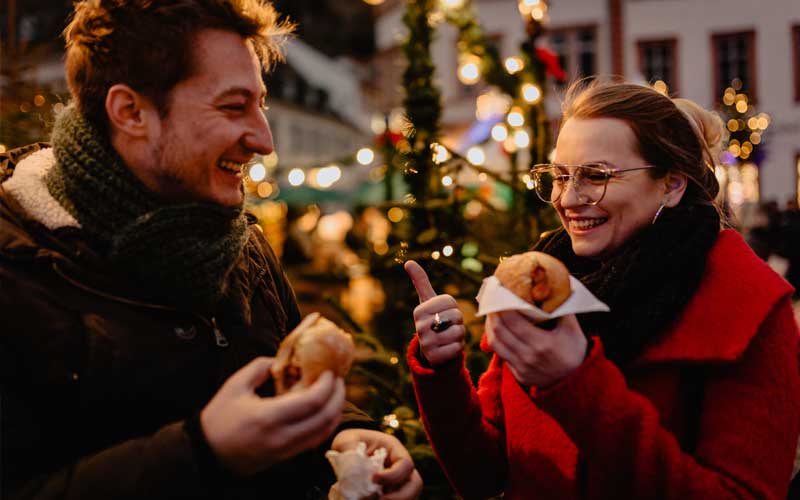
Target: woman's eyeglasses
589, 181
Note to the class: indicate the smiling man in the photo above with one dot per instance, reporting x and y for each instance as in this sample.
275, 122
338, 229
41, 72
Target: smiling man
140, 305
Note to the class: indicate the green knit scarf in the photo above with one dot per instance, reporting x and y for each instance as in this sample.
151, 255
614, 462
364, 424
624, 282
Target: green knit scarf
181, 254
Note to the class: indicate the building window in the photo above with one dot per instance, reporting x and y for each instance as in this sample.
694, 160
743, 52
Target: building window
796, 52
576, 48
734, 58
658, 60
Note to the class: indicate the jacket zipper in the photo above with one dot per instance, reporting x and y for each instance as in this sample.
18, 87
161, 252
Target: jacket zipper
222, 341
219, 338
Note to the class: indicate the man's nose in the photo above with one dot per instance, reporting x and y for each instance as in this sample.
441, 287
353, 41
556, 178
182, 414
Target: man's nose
259, 137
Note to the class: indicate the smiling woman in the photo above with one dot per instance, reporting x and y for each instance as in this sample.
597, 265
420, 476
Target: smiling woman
686, 366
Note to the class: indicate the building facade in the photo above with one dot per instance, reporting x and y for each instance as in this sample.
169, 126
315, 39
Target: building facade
696, 47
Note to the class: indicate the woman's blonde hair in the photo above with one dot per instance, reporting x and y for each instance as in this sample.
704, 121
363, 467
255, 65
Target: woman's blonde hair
674, 135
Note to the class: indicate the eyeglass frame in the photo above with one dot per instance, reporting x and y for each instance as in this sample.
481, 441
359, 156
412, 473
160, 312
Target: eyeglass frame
608, 171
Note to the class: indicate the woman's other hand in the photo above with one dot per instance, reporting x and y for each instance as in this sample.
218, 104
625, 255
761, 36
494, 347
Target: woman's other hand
438, 344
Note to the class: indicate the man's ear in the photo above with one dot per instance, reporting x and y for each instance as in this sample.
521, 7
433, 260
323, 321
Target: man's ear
675, 185
128, 111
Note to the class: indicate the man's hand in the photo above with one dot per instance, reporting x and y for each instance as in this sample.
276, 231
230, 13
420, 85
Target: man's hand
535, 356
249, 433
400, 479
438, 347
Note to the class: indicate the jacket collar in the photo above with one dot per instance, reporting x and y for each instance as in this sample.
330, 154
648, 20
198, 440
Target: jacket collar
737, 292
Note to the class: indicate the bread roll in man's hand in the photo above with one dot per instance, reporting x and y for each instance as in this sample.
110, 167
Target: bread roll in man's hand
315, 346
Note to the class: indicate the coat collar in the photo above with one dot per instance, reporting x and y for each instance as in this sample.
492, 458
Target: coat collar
737, 292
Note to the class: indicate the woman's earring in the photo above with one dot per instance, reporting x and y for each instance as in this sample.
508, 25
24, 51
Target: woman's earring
660, 209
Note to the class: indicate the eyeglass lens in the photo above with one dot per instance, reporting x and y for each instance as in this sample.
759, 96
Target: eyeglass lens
589, 183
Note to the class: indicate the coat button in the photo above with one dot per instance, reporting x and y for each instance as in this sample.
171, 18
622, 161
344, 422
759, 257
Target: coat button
185, 333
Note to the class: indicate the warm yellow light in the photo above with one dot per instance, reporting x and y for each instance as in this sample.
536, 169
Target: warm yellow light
734, 149
515, 118
531, 93
469, 71
327, 176
296, 176
741, 106
763, 122
447, 251
38, 100
522, 139
264, 189
482, 177
476, 155
728, 99
660, 86
451, 4
510, 146
2, 148
440, 153
752, 123
257, 172
447, 181
270, 160
733, 125
514, 65
395, 214
537, 13
755, 138
526, 6
365, 156
374, 2
381, 247
499, 132
435, 255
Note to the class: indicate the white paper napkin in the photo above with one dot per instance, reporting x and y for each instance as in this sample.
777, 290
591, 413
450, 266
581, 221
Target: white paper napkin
494, 297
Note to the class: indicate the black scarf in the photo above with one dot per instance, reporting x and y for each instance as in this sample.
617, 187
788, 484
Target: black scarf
181, 254
648, 283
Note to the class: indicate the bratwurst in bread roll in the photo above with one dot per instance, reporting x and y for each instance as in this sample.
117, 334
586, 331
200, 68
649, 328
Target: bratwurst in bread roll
315, 346
536, 277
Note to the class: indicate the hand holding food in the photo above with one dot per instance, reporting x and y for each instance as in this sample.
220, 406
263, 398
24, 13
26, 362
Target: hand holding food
315, 346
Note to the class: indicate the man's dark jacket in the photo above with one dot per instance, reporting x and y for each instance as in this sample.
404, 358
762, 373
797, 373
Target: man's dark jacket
96, 383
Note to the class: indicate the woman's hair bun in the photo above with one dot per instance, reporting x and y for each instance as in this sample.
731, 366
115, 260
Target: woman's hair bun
707, 126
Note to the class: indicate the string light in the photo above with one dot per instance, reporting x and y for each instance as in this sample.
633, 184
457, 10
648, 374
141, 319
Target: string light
447, 181
661, 87
515, 118
469, 70
365, 156
270, 161
499, 132
526, 6
447, 251
531, 93
451, 4
514, 65
257, 172
38, 101
327, 176
296, 176
440, 153
435, 255
476, 155
395, 214
522, 139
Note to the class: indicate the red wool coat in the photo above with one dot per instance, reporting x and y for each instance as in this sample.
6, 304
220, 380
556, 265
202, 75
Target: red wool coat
637, 432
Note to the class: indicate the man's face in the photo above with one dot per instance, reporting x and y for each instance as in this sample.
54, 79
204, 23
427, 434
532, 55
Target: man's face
215, 124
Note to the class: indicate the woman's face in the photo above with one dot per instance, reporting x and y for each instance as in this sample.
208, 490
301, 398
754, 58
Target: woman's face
631, 199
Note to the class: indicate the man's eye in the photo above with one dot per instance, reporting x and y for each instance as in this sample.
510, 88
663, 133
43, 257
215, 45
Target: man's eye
233, 107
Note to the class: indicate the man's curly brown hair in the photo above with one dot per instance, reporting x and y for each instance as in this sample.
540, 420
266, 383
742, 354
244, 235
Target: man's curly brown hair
148, 45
